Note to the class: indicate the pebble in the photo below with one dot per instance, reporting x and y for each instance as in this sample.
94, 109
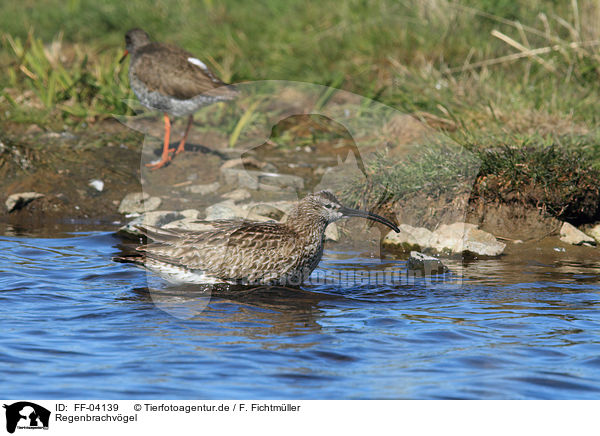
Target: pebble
97, 184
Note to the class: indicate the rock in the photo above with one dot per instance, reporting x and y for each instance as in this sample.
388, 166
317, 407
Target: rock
20, 200
139, 202
248, 162
571, 235
261, 181
332, 233
448, 238
157, 218
204, 189
482, 243
465, 237
409, 237
594, 232
224, 211
192, 214
237, 195
275, 210
189, 224
426, 264
227, 210
97, 184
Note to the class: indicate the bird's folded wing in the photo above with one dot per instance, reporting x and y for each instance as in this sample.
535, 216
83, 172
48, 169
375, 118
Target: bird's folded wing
233, 250
172, 71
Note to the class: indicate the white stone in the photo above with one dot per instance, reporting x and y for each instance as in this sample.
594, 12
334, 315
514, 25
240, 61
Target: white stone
21, 199
451, 237
97, 184
594, 232
482, 243
448, 238
332, 233
409, 236
572, 235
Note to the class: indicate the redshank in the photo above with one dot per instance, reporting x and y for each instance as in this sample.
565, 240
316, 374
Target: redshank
245, 252
172, 80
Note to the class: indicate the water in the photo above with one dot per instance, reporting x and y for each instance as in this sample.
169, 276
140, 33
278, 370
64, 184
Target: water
77, 325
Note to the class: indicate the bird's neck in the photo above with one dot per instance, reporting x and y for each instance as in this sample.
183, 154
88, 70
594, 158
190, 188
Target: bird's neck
307, 225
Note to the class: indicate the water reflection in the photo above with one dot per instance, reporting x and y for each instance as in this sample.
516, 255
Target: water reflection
496, 329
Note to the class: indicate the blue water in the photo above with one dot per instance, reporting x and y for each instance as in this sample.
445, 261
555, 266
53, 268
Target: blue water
77, 325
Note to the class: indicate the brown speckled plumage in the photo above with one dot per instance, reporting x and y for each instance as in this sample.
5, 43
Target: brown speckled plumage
167, 70
172, 80
250, 252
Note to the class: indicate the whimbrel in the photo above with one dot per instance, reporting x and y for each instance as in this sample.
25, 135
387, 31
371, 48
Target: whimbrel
172, 80
245, 252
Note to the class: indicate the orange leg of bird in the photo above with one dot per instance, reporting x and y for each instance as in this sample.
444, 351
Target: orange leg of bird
187, 131
165, 158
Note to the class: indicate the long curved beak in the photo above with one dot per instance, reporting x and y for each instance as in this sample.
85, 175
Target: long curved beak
370, 216
123, 57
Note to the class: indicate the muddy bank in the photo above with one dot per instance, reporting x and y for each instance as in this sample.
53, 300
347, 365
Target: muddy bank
84, 177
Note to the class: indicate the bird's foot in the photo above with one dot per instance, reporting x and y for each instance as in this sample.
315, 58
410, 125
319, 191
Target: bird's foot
180, 149
164, 160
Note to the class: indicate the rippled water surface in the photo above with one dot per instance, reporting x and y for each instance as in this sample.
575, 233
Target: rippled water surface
77, 325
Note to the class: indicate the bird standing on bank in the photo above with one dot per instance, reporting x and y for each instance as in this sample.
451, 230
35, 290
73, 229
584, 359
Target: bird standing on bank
172, 80
245, 252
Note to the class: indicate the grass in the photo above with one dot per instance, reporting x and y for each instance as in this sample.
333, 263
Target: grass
545, 176
496, 73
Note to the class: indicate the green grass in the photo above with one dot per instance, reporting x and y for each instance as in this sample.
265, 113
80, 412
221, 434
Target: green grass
497, 73
410, 54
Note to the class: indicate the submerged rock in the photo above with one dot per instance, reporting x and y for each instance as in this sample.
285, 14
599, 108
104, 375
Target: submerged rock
426, 264
572, 235
139, 202
20, 200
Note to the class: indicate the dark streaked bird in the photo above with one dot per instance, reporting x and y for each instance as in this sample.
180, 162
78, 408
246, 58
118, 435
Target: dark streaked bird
244, 252
172, 80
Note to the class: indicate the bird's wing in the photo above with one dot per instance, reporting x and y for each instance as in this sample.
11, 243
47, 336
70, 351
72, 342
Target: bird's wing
175, 72
233, 250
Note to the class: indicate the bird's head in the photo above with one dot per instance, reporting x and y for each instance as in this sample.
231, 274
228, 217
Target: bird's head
134, 39
326, 206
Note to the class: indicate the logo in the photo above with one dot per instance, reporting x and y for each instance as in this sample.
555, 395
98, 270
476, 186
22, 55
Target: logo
26, 415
